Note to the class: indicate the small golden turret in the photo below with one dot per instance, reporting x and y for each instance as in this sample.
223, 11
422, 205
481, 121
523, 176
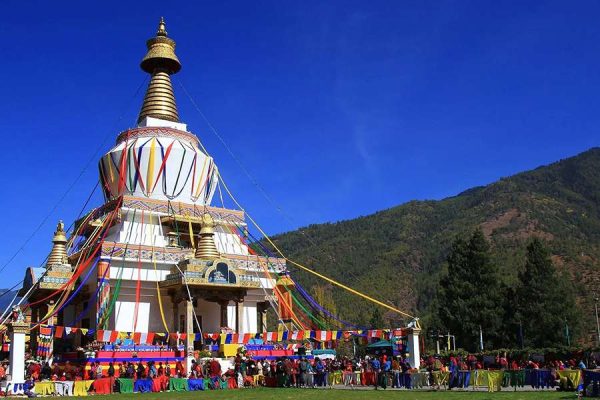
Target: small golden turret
58, 255
284, 281
206, 248
160, 61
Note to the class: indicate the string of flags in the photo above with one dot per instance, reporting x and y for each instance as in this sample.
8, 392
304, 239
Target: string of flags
112, 336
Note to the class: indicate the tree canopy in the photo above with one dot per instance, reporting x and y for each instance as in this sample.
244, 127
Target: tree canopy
544, 303
471, 294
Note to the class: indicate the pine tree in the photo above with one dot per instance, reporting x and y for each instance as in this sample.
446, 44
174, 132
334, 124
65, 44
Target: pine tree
470, 294
376, 321
544, 303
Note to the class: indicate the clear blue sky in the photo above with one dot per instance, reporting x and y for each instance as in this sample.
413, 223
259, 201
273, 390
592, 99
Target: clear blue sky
339, 109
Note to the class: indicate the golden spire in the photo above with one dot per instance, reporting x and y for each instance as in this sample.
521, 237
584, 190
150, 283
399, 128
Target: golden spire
58, 255
160, 61
206, 248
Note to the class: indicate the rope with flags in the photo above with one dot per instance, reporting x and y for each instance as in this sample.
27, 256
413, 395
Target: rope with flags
48, 332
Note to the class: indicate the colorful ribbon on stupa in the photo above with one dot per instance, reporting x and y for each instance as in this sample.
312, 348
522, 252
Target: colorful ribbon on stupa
103, 293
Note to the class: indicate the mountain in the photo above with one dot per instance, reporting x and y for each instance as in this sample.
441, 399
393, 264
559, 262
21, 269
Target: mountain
397, 255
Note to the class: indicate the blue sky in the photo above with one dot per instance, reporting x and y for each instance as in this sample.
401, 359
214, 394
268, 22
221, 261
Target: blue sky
337, 109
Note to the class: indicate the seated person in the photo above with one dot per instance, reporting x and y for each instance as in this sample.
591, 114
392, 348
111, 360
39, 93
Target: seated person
28, 387
249, 381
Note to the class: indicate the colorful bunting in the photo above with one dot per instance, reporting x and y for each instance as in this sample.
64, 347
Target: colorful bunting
224, 338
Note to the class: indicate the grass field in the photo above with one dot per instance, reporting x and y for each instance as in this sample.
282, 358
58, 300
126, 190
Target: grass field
341, 394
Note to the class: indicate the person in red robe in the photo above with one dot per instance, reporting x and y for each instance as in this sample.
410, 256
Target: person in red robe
215, 368
179, 370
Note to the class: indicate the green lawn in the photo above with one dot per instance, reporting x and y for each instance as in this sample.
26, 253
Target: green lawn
333, 394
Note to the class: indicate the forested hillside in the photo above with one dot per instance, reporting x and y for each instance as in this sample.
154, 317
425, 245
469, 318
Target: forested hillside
398, 255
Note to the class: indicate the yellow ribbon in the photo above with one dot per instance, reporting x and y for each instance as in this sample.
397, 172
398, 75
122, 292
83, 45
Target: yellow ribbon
191, 232
150, 170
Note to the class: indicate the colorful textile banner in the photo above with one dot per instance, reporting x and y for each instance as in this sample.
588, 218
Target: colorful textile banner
44, 342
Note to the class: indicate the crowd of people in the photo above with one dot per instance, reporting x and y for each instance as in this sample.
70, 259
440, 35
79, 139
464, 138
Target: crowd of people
39, 371
245, 371
500, 362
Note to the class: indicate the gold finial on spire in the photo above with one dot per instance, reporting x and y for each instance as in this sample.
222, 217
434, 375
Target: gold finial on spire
58, 254
160, 61
206, 248
162, 31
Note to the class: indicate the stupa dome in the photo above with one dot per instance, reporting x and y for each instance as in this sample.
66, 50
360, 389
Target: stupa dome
160, 163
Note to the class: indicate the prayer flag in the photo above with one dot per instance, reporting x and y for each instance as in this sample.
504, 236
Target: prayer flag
297, 335
399, 332
374, 333
105, 335
58, 331
45, 330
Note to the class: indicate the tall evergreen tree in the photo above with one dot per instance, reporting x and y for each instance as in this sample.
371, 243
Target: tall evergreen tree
544, 302
376, 321
470, 294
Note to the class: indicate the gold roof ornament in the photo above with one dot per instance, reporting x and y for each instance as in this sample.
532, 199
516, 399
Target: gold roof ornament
206, 248
285, 281
160, 62
58, 254
96, 223
173, 239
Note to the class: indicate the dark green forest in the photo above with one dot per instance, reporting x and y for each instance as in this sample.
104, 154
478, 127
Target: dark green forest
401, 255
